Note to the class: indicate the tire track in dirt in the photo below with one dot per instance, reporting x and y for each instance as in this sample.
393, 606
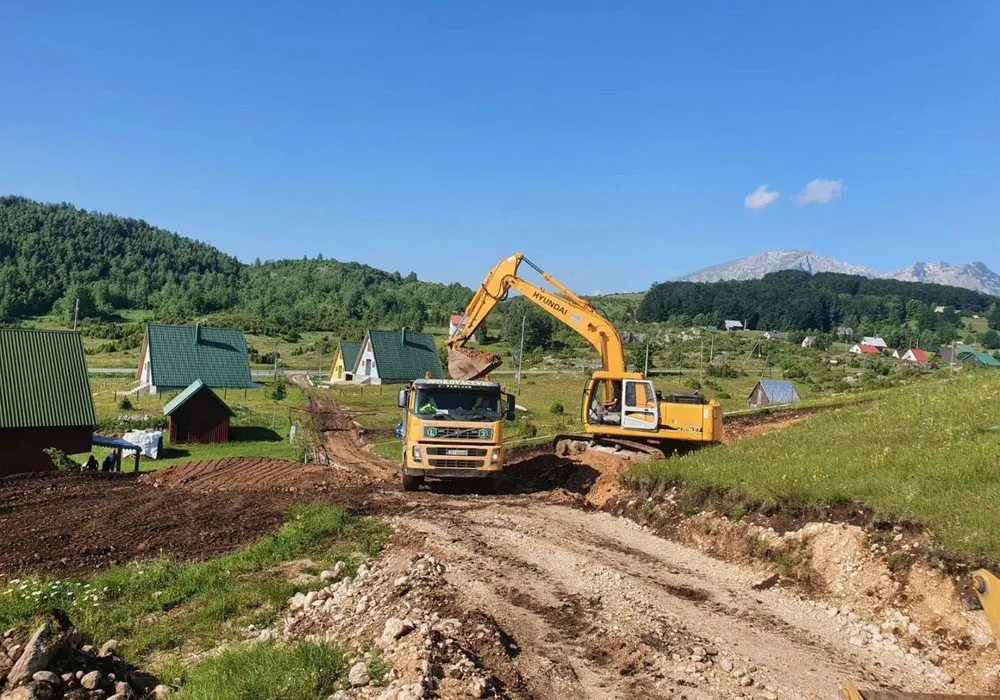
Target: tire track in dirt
573, 604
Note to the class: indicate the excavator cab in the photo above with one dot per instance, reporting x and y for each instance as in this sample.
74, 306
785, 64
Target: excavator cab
626, 403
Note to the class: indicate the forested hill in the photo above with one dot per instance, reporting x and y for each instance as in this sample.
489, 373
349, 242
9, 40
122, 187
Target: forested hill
53, 254
343, 296
795, 300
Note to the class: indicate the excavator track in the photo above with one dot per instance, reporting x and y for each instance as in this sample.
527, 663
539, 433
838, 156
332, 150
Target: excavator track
567, 444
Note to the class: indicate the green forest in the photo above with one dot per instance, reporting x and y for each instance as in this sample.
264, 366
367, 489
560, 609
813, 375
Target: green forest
795, 300
52, 255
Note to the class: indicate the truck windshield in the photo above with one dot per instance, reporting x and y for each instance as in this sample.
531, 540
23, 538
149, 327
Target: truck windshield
457, 404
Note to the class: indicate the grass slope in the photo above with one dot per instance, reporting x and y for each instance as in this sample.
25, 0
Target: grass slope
929, 451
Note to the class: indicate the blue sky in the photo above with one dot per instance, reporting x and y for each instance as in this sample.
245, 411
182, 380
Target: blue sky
615, 143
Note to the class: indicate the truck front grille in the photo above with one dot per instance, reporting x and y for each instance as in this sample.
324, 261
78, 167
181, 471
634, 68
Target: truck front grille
469, 451
456, 463
459, 434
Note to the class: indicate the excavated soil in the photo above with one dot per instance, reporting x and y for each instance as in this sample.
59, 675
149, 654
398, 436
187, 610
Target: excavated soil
60, 523
253, 474
740, 427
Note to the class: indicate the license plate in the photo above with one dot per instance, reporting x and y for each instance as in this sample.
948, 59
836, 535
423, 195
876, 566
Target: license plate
457, 453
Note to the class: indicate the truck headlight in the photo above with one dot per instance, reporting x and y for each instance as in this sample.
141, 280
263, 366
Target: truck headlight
416, 453
495, 459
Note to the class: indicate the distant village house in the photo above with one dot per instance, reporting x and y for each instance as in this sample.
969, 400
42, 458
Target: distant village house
45, 398
865, 349
874, 341
915, 355
734, 325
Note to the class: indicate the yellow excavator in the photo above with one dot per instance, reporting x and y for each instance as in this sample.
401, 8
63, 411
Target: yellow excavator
987, 587
620, 408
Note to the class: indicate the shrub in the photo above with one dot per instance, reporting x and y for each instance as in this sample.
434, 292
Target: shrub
125, 404
60, 460
692, 383
557, 409
723, 370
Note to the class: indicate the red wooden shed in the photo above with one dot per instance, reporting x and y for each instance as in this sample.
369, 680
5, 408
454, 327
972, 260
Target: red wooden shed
197, 414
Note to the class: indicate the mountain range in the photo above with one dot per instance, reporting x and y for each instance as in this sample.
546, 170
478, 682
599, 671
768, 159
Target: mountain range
975, 276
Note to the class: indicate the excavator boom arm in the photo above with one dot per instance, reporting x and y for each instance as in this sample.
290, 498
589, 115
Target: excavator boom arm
567, 307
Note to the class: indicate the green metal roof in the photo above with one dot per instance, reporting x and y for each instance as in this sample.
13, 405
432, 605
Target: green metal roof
182, 398
403, 355
179, 355
43, 380
983, 358
350, 349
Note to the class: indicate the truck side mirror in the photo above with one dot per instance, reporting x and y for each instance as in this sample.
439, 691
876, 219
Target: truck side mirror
509, 412
403, 399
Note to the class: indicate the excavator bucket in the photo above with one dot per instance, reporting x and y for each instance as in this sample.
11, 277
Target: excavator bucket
469, 364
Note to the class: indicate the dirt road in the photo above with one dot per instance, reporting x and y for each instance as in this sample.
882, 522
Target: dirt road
598, 607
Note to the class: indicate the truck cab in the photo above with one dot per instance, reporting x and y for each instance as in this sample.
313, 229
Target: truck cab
453, 429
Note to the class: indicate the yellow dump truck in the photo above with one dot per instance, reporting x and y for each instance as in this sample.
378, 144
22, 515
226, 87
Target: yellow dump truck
453, 429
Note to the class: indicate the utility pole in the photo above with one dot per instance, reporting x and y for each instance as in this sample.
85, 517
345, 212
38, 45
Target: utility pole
645, 370
701, 357
76, 312
711, 350
520, 353
275, 358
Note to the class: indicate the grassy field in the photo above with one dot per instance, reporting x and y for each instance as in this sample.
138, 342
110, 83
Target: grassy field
928, 452
553, 401
209, 602
258, 428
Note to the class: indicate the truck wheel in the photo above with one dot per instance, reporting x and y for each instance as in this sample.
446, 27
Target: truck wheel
412, 483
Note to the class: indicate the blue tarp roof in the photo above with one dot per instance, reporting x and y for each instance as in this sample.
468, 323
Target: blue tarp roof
112, 442
779, 391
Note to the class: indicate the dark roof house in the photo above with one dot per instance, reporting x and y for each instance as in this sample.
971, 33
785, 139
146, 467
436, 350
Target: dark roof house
45, 398
175, 356
394, 357
197, 414
772, 392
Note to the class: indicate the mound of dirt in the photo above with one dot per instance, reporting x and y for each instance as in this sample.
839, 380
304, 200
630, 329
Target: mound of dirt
253, 474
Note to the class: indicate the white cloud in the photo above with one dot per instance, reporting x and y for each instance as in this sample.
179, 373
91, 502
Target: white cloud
760, 198
820, 191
